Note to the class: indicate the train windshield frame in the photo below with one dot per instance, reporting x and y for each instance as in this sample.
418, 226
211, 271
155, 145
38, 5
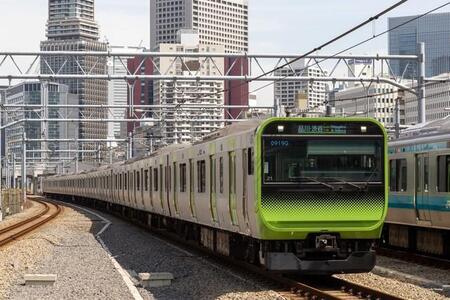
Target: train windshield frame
322, 156
295, 159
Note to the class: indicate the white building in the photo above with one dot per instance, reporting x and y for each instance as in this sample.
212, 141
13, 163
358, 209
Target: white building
189, 125
289, 93
354, 102
437, 100
118, 89
360, 68
222, 22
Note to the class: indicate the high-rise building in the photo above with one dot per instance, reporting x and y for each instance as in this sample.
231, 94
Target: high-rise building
433, 30
190, 124
354, 102
118, 89
289, 93
36, 93
437, 104
142, 93
222, 22
71, 27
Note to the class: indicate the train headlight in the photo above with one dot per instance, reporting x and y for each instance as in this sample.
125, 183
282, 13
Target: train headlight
364, 129
280, 128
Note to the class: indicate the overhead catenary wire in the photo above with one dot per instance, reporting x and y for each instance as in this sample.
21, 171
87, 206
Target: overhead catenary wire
300, 57
357, 44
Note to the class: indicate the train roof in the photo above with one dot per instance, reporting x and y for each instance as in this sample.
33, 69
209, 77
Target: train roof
231, 130
429, 132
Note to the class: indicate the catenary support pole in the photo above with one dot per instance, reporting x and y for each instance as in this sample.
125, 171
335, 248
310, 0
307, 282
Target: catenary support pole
1, 171
24, 168
130, 146
13, 174
421, 84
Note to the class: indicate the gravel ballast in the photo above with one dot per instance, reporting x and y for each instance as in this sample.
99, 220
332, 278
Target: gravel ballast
68, 248
65, 247
31, 208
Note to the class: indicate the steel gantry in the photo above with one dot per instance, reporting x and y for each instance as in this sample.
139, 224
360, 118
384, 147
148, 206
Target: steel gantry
242, 68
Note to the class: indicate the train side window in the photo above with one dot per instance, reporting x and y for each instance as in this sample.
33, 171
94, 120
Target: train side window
221, 175
155, 179
443, 169
398, 175
145, 180
201, 176
161, 182
138, 180
125, 181
183, 181
250, 162
150, 178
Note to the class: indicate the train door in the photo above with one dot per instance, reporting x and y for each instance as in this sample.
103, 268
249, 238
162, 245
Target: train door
168, 184
150, 188
244, 185
191, 189
135, 185
161, 188
232, 187
175, 188
212, 187
422, 187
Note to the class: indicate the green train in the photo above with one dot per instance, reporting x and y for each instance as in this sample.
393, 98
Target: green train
304, 195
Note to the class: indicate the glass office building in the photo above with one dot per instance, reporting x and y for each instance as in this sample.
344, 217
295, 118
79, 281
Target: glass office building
433, 30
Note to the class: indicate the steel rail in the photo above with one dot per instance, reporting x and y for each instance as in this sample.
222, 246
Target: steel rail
29, 224
334, 289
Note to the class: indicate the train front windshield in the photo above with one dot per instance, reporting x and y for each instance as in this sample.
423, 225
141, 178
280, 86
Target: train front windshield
322, 155
293, 160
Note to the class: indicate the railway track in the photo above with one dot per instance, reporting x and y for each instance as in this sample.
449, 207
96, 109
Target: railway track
420, 259
308, 288
16, 230
312, 288
290, 287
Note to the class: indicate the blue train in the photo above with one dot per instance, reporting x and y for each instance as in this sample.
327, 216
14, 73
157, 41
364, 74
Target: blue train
419, 199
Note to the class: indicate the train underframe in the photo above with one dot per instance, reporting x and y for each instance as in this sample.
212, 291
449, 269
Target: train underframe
429, 241
318, 254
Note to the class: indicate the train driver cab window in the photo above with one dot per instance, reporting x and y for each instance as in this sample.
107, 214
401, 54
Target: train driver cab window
398, 175
201, 176
443, 169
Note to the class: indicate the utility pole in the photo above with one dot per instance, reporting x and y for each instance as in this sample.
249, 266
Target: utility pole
421, 84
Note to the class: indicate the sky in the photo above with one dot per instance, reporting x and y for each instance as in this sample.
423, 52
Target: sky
281, 26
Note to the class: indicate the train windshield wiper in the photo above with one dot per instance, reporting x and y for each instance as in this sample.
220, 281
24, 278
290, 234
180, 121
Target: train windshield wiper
319, 182
346, 182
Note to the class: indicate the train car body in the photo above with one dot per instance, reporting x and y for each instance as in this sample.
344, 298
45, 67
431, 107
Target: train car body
419, 200
302, 195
